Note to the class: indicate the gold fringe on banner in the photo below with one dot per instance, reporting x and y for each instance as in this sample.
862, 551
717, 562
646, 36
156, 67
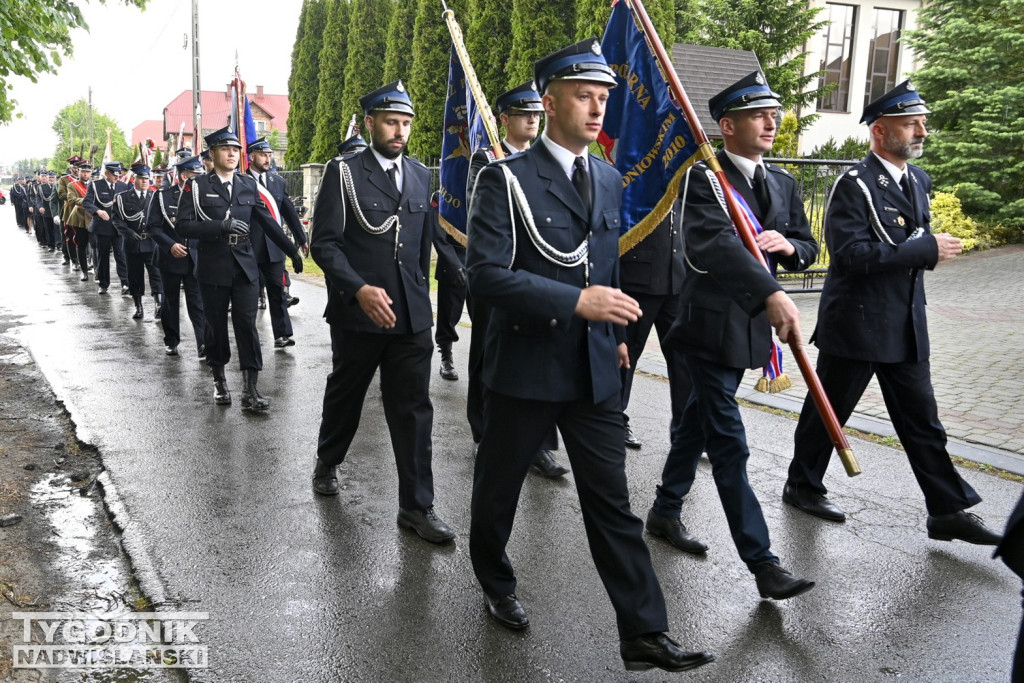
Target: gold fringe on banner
453, 232
639, 232
774, 386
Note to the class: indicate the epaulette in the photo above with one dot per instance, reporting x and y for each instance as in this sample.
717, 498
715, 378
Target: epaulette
415, 161
600, 160
778, 169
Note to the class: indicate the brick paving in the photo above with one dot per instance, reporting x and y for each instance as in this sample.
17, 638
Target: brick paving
976, 326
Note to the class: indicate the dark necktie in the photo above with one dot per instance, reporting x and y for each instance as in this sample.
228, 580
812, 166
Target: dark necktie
227, 186
581, 181
764, 199
908, 192
393, 175
262, 181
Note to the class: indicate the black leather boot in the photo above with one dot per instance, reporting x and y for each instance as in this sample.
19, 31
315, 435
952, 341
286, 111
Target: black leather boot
221, 395
138, 308
251, 398
447, 363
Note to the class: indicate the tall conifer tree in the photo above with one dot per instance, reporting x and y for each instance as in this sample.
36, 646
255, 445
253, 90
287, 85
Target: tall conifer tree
367, 45
331, 118
398, 59
428, 82
489, 42
302, 84
539, 27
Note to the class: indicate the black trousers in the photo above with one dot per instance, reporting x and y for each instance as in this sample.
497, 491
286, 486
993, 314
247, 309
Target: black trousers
910, 400
272, 273
404, 362
105, 244
243, 294
19, 214
78, 241
450, 300
660, 311
711, 420
514, 429
139, 263
170, 319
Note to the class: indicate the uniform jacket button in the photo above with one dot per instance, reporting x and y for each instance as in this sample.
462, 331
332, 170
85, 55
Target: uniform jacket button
515, 327
553, 323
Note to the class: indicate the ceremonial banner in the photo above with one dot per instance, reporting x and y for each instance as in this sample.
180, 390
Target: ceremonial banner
645, 133
464, 133
241, 112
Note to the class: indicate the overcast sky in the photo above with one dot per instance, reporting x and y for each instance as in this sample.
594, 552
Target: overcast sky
122, 40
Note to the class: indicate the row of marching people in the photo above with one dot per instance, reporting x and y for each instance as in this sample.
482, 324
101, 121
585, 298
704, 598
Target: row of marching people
189, 232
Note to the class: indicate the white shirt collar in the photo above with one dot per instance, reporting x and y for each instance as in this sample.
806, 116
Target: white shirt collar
895, 171
513, 147
745, 166
563, 156
386, 163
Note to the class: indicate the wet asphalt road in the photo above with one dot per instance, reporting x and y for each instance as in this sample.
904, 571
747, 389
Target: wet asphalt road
219, 515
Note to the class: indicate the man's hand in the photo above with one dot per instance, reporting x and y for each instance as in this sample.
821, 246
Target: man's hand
297, 263
607, 304
457, 277
305, 249
233, 226
179, 250
784, 316
136, 236
103, 215
376, 304
949, 246
623, 352
774, 242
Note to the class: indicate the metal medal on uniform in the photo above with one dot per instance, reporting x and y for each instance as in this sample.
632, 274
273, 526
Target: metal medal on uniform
759, 79
900, 221
400, 87
883, 180
595, 47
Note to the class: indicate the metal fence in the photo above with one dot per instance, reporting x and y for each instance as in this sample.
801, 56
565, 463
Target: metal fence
815, 178
294, 182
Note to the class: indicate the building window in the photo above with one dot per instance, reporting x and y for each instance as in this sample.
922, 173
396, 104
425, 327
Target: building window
261, 127
835, 66
883, 64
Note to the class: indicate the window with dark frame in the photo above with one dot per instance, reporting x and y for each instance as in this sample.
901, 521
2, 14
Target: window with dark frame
838, 57
883, 53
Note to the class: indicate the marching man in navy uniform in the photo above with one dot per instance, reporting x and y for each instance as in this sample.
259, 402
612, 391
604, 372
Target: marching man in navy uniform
372, 237
548, 265
99, 203
268, 255
177, 261
19, 197
519, 111
729, 304
131, 218
871, 320
217, 209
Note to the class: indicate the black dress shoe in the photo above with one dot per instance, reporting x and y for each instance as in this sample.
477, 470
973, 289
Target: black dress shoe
631, 440
101, 290
658, 650
508, 612
292, 301
138, 315
282, 342
775, 582
325, 479
545, 465
85, 277
171, 350
125, 291
427, 524
674, 531
812, 503
202, 350
448, 371
964, 526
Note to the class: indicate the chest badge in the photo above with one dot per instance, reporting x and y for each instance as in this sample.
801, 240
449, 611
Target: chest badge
900, 221
883, 180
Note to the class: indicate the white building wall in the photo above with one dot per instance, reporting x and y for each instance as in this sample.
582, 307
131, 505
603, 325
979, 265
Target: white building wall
843, 125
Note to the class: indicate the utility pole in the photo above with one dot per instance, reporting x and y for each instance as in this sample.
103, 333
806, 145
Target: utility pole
92, 139
197, 112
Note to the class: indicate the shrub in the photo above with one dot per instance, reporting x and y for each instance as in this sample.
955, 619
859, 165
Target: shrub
948, 216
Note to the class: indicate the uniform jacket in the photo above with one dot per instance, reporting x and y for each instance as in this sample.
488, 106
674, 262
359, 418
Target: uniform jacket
101, 196
162, 216
351, 257
18, 194
74, 210
127, 205
201, 210
872, 303
723, 318
266, 250
537, 348
655, 266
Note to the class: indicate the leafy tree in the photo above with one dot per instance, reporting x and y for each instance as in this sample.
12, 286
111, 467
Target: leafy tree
776, 32
398, 58
330, 118
428, 82
302, 83
539, 28
30, 166
973, 80
72, 129
489, 43
33, 35
689, 22
367, 43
